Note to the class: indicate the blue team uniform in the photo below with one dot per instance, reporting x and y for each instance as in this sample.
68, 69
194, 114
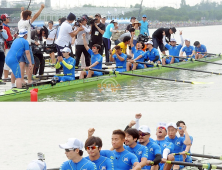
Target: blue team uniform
202, 49
188, 158
173, 51
19, 46
151, 55
84, 164
136, 54
95, 58
139, 150
103, 163
72, 62
164, 144
120, 63
122, 160
188, 50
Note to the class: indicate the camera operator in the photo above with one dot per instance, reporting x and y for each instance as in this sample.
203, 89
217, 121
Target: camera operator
8, 42
97, 32
3, 37
82, 28
36, 39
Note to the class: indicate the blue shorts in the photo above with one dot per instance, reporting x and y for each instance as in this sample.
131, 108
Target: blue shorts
24, 58
65, 78
139, 66
176, 60
14, 65
121, 69
161, 166
96, 73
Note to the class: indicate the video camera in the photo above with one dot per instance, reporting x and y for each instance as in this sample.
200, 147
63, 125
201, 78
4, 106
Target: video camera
40, 49
143, 38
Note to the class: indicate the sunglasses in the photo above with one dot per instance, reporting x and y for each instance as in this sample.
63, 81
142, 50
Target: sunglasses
91, 147
94, 48
161, 128
68, 150
64, 52
143, 134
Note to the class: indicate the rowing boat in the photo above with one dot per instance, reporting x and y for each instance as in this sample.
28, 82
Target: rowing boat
13, 94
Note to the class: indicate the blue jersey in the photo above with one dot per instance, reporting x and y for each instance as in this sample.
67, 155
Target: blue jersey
151, 55
95, 58
103, 163
178, 146
70, 61
107, 34
120, 63
122, 160
19, 46
174, 51
202, 49
84, 164
188, 50
138, 53
139, 150
144, 28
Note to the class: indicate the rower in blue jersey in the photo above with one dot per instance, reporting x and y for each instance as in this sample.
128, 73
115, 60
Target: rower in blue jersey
131, 145
188, 49
17, 50
122, 158
200, 50
93, 146
174, 50
152, 55
68, 63
182, 134
73, 150
137, 52
120, 59
178, 142
96, 60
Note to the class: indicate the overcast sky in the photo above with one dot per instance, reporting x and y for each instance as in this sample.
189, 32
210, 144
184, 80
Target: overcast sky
126, 3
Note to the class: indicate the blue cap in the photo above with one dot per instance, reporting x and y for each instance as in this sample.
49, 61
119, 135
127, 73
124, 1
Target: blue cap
144, 16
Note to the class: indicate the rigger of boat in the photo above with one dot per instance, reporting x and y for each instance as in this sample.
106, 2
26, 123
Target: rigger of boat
136, 54
134, 148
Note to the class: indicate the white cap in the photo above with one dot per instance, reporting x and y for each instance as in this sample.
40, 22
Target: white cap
161, 124
149, 42
22, 32
66, 49
115, 20
103, 16
36, 165
144, 129
187, 39
172, 124
72, 143
173, 39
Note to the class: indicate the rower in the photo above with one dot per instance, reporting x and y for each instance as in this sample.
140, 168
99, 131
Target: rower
178, 142
152, 55
188, 49
131, 145
73, 150
200, 48
120, 59
96, 60
68, 64
180, 124
122, 158
93, 146
18, 48
174, 50
138, 54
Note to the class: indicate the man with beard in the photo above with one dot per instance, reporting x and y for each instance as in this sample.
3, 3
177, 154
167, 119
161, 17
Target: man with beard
93, 146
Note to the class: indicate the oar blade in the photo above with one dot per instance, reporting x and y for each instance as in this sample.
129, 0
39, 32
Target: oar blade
196, 82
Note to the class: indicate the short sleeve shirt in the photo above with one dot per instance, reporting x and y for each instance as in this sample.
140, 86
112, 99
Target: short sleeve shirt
26, 24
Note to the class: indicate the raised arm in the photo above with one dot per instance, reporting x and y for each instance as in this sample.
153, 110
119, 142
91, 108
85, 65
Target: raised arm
85, 42
187, 140
131, 40
91, 132
181, 38
37, 14
137, 116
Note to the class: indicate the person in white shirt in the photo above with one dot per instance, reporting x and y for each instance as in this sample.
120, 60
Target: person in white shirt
51, 39
25, 23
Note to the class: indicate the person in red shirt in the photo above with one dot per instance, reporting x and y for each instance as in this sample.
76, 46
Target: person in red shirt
8, 42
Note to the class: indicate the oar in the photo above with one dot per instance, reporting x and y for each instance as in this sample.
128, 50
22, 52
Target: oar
192, 59
51, 75
136, 75
159, 65
210, 53
201, 155
204, 166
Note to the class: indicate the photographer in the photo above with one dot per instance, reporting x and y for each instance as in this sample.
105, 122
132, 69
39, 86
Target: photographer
97, 32
36, 39
82, 28
3, 37
8, 42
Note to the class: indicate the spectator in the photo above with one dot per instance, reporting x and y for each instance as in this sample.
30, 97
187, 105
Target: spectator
144, 26
136, 25
126, 34
132, 20
103, 20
